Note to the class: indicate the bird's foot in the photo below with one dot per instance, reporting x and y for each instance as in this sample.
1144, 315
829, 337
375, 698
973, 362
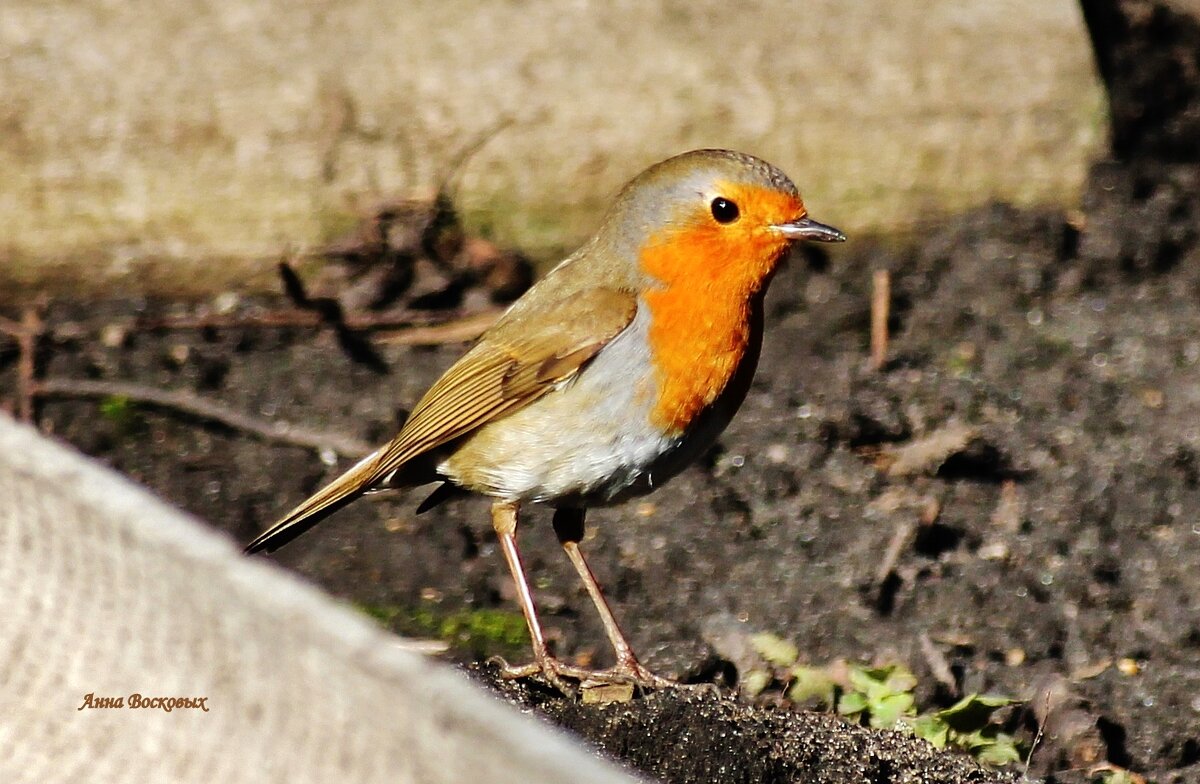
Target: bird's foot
556, 672
548, 668
632, 671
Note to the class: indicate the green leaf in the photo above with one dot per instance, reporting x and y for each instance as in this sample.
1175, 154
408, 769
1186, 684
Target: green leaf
889, 679
988, 745
775, 650
931, 728
900, 679
852, 704
1002, 750
863, 679
973, 712
887, 712
755, 682
811, 684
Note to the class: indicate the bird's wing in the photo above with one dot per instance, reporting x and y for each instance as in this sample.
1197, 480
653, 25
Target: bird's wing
513, 365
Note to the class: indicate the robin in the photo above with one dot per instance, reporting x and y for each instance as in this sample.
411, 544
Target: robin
608, 377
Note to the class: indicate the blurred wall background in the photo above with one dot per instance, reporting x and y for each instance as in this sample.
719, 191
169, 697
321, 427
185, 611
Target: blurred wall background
185, 145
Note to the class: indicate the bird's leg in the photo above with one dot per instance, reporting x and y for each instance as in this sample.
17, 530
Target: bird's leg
568, 526
504, 520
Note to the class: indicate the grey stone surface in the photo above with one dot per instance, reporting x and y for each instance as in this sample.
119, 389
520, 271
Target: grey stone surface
109, 592
187, 144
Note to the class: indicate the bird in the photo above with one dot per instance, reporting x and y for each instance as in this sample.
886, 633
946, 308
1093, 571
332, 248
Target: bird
611, 374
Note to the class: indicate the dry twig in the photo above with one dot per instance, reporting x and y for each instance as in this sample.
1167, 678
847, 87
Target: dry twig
294, 317
1007, 515
456, 331
881, 296
905, 530
926, 454
196, 406
26, 333
938, 664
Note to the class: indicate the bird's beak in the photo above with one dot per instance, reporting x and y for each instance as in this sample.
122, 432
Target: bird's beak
808, 229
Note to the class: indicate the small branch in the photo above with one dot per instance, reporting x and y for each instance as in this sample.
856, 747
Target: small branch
881, 296
904, 532
27, 340
456, 331
1007, 514
938, 664
200, 408
460, 159
925, 454
1041, 720
10, 327
294, 317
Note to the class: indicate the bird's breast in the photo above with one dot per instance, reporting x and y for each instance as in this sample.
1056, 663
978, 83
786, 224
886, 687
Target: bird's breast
702, 320
696, 348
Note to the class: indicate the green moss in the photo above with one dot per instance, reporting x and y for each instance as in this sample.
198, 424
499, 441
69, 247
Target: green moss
121, 412
383, 613
480, 633
485, 632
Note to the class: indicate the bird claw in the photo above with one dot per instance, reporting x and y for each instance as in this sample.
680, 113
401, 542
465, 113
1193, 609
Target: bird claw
551, 670
631, 672
554, 672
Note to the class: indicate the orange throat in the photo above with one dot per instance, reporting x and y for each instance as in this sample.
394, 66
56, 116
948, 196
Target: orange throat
700, 317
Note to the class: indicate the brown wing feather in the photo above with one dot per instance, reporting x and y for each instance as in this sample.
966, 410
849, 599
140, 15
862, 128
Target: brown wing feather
513, 364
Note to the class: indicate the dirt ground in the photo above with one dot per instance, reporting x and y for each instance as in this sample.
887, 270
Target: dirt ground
1008, 506
1055, 537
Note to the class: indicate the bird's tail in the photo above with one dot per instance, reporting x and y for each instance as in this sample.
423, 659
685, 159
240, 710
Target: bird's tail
341, 491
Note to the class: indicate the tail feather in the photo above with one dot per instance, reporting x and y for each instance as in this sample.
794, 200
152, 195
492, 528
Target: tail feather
341, 491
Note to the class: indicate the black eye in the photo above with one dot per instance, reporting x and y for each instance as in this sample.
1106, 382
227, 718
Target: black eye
724, 210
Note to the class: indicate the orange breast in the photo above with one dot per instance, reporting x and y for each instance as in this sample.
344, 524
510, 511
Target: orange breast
695, 354
700, 315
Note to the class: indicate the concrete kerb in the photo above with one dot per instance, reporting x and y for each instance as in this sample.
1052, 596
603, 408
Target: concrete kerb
450, 729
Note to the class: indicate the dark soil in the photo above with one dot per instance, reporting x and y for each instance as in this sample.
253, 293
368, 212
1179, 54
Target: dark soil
1148, 54
699, 736
1061, 540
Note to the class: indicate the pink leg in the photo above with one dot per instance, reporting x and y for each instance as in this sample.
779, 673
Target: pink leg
568, 526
